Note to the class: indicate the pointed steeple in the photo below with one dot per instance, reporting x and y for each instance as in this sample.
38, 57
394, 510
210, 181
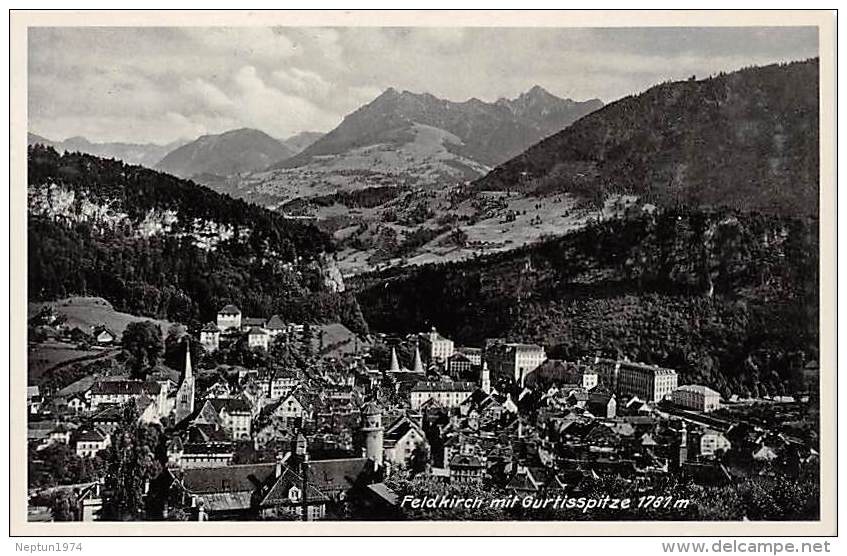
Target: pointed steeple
188, 372
395, 365
418, 363
185, 394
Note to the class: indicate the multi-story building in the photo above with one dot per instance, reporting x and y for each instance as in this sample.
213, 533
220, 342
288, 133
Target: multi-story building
560, 372
229, 317
459, 364
447, 394
474, 354
436, 346
280, 384
89, 442
712, 441
119, 392
257, 338
696, 397
513, 360
210, 337
648, 382
400, 440
235, 414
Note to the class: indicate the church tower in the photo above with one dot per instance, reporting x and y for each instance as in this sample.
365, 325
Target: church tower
485, 378
683, 446
373, 432
185, 394
418, 367
395, 365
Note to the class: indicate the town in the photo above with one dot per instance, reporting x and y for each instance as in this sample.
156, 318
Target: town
253, 418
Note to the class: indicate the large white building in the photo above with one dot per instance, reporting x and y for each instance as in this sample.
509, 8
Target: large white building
119, 392
627, 378
229, 317
258, 338
514, 360
697, 397
446, 394
436, 346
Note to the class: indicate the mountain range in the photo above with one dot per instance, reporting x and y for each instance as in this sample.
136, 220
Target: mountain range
746, 140
411, 179
404, 139
488, 133
143, 154
223, 154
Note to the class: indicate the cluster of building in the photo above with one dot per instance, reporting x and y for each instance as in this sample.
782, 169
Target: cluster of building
324, 442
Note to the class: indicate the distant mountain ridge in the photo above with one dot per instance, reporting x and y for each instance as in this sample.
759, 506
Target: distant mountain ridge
298, 142
144, 154
225, 154
746, 140
489, 133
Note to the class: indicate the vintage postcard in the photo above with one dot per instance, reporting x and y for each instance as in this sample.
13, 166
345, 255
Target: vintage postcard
434, 273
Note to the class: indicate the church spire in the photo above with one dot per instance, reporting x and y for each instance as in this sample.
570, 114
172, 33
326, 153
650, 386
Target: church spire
418, 363
185, 394
188, 372
395, 365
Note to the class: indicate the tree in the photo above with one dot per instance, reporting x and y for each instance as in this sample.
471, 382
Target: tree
132, 462
420, 458
142, 341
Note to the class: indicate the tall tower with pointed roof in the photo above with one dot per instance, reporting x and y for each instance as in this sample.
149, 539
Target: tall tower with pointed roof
185, 394
418, 367
395, 365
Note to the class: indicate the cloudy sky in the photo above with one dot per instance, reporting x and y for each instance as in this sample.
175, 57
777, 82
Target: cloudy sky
161, 84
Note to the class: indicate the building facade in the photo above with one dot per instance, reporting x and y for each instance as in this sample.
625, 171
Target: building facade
649, 382
514, 360
436, 346
229, 317
446, 394
697, 397
210, 337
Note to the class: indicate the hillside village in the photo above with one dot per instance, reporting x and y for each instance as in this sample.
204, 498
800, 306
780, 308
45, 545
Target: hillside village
320, 423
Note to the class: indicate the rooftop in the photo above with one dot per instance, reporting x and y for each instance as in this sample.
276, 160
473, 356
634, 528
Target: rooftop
440, 386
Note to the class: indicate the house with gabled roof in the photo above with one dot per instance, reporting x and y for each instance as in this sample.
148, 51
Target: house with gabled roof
89, 442
276, 326
248, 323
400, 440
257, 338
210, 337
104, 336
229, 317
467, 468
235, 414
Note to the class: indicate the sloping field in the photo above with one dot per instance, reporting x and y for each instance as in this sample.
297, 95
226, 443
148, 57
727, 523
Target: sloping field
87, 312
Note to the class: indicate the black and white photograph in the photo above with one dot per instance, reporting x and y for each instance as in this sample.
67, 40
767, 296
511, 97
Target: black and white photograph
387, 273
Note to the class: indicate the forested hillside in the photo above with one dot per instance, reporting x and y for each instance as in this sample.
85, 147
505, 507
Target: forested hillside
155, 245
744, 140
725, 297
